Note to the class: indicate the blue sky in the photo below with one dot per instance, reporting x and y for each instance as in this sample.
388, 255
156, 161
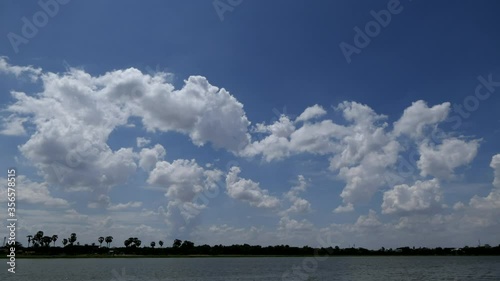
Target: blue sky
277, 60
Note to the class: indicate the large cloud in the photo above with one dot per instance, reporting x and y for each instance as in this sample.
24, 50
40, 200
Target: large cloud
74, 114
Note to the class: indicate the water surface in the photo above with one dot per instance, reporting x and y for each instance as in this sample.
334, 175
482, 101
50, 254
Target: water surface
286, 268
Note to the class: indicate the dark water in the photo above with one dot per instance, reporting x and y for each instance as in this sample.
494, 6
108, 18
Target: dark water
193, 269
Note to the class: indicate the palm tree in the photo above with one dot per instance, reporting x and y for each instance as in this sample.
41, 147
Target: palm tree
153, 244
46, 241
128, 242
132, 242
100, 239
177, 243
29, 239
108, 240
37, 239
54, 239
65, 241
161, 243
72, 238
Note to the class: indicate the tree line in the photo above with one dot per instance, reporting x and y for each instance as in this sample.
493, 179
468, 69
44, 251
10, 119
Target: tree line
40, 244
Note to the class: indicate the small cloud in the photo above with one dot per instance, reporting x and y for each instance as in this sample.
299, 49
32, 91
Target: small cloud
142, 142
248, 191
344, 209
458, 206
124, 206
13, 126
312, 112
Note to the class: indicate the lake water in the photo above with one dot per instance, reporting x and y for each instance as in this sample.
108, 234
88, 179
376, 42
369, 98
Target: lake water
195, 269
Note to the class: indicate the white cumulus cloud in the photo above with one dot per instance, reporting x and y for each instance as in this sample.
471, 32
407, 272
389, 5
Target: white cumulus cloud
248, 191
312, 112
441, 160
418, 117
422, 196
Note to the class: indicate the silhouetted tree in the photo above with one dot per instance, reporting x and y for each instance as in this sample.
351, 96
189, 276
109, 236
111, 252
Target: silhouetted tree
132, 242
29, 239
54, 239
65, 241
100, 239
46, 240
177, 243
128, 242
72, 238
137, 242
153, 244
108, 240
161, 243
187, 245
37, 239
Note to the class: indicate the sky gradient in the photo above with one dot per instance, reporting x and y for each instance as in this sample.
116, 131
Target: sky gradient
228, 122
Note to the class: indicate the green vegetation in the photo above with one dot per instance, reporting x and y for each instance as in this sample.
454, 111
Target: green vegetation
40, 247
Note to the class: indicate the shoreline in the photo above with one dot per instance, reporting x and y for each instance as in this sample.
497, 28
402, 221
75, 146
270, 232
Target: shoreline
220, 256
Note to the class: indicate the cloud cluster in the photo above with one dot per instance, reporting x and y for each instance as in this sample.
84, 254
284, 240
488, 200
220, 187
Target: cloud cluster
248, 191
365, 150
74, 114
69, 121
